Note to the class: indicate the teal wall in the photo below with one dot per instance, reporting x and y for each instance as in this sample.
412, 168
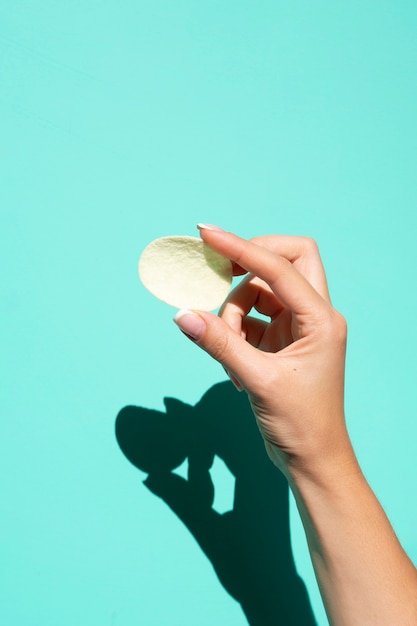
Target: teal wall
124, 121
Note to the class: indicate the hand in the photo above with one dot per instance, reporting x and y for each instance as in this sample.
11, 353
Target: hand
292, 367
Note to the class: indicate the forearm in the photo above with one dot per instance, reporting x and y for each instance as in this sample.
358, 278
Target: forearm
364, 575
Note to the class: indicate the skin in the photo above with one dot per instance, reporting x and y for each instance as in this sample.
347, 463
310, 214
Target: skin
292, 368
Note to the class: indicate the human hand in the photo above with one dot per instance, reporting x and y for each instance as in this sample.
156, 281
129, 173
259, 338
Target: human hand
292, 367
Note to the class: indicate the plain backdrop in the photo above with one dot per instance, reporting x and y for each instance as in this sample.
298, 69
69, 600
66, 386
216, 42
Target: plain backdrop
124, 121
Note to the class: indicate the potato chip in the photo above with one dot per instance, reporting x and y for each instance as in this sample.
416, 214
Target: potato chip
185, 272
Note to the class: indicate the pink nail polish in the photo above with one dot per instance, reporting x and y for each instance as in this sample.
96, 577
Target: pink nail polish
234, 380
190, 323
209, 227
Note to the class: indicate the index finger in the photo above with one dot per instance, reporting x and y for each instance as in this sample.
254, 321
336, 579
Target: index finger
292, 289
304, 255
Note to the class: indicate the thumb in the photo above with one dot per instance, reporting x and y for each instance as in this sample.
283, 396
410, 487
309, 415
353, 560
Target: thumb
222, 343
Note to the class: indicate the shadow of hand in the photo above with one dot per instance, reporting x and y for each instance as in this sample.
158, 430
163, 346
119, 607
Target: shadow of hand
249, 546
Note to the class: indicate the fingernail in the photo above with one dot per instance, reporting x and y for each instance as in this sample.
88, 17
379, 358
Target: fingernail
190, 323
235, 382
209, 227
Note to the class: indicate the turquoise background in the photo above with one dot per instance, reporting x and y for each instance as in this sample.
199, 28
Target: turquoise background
124, 121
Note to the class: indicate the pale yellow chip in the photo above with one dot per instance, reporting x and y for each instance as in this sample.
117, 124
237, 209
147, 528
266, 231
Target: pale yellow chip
185, 272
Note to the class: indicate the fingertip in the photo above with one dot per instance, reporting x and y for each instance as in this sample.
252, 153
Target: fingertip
202, 227
192, 324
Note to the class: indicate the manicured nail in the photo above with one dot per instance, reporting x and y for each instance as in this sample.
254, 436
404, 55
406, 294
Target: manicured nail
190, 323
209, 227
234, 381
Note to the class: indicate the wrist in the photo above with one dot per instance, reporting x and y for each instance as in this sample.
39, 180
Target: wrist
329, 473
320, 465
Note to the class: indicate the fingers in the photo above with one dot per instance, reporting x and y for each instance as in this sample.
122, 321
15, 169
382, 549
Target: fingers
253, 330
237, 270
304, 255
226, 346
287, 283
252, 292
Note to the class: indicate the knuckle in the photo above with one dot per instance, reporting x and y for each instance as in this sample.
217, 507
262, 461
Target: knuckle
310, 244
339, 325
335, 326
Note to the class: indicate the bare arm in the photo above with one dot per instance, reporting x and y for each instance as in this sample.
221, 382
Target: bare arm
364, 575
292, 368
